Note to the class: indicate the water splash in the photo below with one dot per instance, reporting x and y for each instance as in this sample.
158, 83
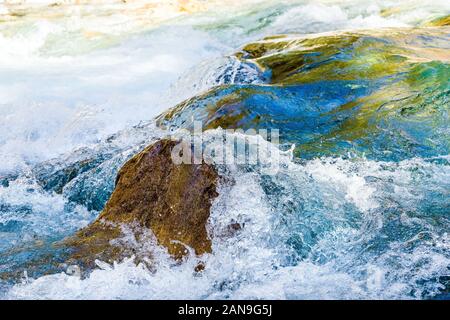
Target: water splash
329, 228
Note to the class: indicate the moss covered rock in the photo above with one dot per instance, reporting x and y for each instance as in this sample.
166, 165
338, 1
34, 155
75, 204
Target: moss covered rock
152, 193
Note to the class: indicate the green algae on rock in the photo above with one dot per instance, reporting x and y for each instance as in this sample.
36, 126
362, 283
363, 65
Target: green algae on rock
439, 22
152, 193
382, 94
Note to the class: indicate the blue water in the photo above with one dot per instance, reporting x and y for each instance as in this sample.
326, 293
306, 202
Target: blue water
361, 210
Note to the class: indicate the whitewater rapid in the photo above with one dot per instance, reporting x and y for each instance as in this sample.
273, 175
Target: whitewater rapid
70, 81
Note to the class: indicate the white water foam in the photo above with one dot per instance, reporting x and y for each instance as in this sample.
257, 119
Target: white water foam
68, 82
320, 229
306, 234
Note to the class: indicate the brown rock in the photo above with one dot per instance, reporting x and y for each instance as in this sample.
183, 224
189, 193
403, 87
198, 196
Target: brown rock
173, 201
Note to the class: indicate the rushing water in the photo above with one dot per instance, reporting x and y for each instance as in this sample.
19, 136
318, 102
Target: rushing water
80, 85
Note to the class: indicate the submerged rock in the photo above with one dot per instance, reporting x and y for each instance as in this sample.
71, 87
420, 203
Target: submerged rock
382, 94
152, 193
365, 55
440, 22
55, 176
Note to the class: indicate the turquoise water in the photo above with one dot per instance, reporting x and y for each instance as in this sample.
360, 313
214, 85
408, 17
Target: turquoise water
361, 211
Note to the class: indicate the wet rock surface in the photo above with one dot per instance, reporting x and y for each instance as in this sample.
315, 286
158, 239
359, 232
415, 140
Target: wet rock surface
151, 192
361, 93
